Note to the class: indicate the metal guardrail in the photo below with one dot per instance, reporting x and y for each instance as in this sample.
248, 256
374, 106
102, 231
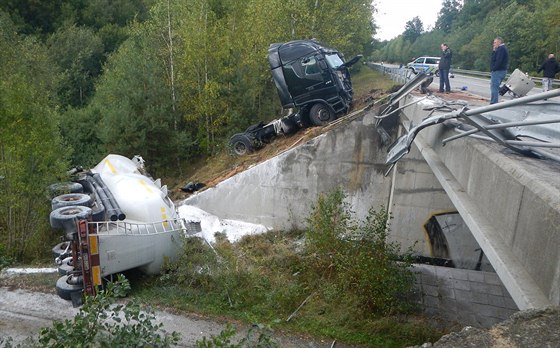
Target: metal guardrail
402, 74
131, 228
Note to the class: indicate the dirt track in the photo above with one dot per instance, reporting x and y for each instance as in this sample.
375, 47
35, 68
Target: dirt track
23, 313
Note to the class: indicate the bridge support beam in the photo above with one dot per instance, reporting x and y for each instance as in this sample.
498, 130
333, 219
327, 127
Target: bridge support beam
493, 212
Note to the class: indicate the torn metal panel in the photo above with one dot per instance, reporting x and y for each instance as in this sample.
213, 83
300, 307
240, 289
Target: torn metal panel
507, 136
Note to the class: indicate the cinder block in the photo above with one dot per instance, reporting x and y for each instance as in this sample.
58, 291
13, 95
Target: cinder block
445, 292
430, 290
476, 276
480, 298
492, 278
460, 274
444, 273
461, 284
479, 287
494, 289
463, 296
497, 301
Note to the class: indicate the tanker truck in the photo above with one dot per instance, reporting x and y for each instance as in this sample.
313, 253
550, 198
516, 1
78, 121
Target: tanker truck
310, 78
113, 217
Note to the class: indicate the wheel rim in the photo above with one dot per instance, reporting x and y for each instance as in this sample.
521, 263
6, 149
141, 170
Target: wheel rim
323, 115
240, 148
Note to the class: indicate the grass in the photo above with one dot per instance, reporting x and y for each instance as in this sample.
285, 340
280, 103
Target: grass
337, 280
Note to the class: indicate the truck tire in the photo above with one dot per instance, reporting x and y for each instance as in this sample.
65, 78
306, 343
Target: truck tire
71, 199
66, 266
66, 285
64, 217
241, 144
59, 250
320, 114
65, 187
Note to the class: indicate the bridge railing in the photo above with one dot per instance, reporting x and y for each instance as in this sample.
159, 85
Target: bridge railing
402, 74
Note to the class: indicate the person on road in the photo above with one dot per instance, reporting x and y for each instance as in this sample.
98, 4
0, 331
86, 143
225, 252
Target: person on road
498, 67
444, 66
549, 68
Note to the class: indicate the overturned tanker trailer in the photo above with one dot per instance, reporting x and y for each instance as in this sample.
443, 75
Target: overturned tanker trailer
114, 218
310, 78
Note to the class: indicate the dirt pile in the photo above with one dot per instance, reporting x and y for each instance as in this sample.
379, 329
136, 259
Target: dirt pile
525, 329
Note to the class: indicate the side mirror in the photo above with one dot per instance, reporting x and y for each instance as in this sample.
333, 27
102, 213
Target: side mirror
351, 61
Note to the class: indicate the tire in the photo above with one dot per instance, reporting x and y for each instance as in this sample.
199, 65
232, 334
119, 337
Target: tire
65, 289
66, 267
64, 218
241, 144
320, 114
437, 73
60, 251
65, 187
71, 199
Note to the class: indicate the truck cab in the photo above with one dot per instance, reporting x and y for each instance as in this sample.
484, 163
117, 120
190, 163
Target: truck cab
313, 78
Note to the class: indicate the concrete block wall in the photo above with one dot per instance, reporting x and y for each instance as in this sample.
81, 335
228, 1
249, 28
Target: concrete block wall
467, 297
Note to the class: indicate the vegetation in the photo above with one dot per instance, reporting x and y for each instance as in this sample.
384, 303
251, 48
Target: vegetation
529, 28
340, 279
169, 80
102, 322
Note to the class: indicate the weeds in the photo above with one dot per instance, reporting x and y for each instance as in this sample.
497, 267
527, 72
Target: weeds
341, 279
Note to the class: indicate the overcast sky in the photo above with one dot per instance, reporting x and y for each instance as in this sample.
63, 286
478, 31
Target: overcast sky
392, 15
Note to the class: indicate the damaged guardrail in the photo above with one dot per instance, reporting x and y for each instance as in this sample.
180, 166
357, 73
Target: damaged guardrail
499, 133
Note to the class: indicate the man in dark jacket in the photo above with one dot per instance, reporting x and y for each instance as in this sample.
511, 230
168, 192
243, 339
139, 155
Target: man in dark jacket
444, 66
498, 67
550, 68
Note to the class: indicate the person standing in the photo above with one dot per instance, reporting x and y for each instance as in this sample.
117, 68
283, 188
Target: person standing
498, 67
550, 68
444, 66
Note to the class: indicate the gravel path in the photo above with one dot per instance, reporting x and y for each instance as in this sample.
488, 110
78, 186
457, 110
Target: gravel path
23, 313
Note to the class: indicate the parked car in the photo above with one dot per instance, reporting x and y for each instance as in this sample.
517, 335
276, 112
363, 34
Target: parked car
424, 64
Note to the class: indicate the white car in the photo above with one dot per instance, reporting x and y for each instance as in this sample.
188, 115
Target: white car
428, 65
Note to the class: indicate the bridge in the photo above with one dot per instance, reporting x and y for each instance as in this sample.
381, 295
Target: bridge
492, 213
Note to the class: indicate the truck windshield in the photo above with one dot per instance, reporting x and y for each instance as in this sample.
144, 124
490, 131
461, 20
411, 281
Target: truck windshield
334, 60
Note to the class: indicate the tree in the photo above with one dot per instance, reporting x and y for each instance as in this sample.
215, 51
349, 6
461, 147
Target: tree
32, 155
413, 29
80, 53
447, 15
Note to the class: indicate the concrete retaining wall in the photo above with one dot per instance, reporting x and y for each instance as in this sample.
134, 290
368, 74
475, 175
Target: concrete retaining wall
280, 192
467, 297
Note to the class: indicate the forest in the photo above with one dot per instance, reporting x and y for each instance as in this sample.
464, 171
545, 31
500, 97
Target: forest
530, 29
173, 80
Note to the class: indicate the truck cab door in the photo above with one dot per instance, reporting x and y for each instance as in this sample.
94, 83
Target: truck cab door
307, 80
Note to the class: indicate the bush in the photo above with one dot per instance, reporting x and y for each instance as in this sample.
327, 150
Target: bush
103, 323
356, 258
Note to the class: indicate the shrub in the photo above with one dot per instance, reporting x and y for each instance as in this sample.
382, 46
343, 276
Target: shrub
102, 322
356, 257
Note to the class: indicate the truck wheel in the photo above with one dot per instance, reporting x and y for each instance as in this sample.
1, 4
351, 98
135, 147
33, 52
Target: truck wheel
63, 218
66, 267
66, 285
59, 250
71, 199
320, 114
241, 144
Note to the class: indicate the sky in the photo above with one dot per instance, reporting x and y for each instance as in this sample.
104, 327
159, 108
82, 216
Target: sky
392, 15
